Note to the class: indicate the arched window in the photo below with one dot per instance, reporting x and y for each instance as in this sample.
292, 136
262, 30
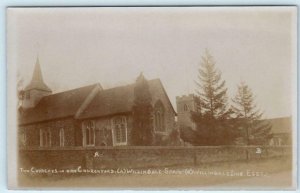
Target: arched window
119, 125
89, 133
61, 137
159, 119
45, 137
185, 107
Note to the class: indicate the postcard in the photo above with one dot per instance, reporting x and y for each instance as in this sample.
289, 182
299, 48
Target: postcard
152, 97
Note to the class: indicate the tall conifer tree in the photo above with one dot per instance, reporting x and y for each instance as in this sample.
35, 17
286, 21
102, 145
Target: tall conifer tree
142, 132
248, 117
213, 124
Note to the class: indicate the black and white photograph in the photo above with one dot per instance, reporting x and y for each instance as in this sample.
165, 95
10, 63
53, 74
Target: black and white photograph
188, 97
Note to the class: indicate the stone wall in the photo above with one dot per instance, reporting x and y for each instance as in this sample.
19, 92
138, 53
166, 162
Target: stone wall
142, 157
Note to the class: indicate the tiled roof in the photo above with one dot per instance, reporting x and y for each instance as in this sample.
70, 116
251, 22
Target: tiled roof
117, 100
281, 125
56, 106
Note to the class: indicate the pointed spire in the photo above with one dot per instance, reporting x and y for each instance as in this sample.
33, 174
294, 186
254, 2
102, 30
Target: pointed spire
140, 77
37, 73
37, 81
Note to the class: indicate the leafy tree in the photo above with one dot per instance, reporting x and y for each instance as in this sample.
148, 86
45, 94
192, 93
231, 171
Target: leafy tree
212, 121
142, 131
248, 117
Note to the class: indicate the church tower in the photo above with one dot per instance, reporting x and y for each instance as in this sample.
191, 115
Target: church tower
36, 89
186, 104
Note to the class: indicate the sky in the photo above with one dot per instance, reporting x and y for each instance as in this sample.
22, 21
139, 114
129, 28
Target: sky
111, 46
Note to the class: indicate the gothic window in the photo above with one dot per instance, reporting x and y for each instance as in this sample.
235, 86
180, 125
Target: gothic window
61, 137
185, 107
159, 121
89, 133
120, 130
45, 137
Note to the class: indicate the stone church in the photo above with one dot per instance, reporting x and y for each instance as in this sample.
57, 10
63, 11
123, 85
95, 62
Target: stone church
185, 104
87, 116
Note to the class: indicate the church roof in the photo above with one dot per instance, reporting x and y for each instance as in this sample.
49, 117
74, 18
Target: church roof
55, 106
72, 103
120, 100
37, 81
